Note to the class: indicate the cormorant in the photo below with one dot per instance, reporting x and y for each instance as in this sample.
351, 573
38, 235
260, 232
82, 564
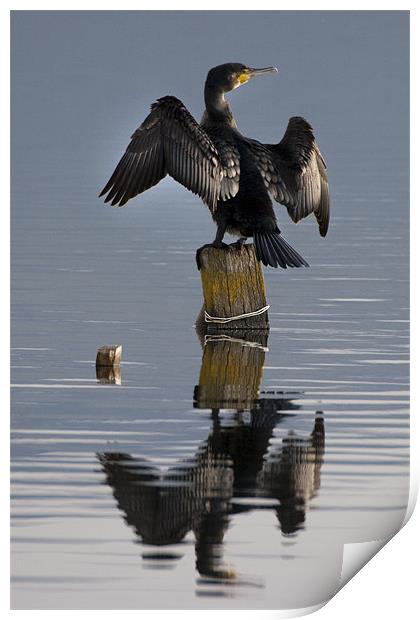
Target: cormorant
233, 175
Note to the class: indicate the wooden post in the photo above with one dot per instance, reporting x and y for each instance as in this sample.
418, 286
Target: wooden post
233, 284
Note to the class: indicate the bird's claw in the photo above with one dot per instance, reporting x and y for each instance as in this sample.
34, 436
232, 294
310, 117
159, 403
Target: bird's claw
239, 244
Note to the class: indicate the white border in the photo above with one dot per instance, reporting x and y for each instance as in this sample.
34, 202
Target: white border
387, 586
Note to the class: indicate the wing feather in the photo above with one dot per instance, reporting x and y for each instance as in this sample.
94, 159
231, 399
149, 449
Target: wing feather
170, 141
304, 173
294, 172
231, 168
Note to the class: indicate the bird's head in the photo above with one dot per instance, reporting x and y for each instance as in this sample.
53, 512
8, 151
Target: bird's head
233, 74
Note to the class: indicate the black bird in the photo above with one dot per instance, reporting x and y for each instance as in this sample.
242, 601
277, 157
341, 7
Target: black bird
233, 175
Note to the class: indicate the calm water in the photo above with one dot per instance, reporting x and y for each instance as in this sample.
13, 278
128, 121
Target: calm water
177, 487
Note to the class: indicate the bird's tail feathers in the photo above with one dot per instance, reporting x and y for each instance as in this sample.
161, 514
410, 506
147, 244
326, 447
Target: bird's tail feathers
274, 251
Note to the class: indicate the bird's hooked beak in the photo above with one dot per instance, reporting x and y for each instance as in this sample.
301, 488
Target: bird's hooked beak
255, 72
250, 73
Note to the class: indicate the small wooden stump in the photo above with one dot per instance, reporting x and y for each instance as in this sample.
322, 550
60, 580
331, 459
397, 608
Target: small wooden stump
109, 356
233, 284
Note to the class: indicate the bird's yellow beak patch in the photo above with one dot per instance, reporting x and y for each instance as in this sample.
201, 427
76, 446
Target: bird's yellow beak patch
243, 77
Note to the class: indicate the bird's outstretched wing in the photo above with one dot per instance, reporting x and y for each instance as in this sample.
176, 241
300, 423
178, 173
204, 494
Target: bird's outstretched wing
169, 141
294, 173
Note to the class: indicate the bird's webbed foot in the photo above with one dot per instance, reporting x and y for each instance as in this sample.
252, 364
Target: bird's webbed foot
220, 245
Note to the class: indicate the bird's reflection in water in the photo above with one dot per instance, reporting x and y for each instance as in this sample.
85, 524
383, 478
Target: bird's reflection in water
231, 471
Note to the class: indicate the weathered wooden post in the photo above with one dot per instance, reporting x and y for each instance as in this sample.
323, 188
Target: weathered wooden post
233, 290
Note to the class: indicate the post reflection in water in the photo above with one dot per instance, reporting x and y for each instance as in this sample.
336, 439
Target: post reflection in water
108, 375
238, 465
